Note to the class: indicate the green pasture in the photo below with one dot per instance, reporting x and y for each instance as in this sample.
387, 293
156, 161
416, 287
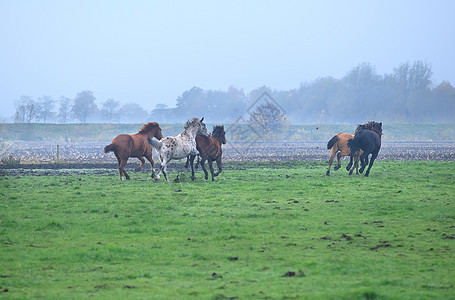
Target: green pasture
260, 231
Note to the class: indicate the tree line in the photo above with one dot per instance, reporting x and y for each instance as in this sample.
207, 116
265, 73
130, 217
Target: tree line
406, 95
83, 108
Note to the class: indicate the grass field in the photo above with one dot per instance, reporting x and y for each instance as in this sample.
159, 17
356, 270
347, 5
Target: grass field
261, 230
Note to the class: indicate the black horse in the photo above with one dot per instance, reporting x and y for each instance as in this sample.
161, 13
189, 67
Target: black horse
370, 142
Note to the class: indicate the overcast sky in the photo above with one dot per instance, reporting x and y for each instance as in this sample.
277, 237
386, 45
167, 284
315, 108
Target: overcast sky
150, 52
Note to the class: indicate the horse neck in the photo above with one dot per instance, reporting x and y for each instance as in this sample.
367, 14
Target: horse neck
217, 138
190, 131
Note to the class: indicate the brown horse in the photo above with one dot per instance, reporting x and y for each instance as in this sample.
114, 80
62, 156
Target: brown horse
210, 149
125, 146
338, 146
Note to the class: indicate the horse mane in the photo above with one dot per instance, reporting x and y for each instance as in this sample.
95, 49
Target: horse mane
217, 131
148, 127
370, 125
189, 122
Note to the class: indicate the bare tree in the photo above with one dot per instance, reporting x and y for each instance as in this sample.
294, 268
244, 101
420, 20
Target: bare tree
64, 109
46, 107
110, 110
26, 110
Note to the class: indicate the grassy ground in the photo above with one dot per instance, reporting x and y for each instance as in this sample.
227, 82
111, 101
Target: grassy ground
263, 230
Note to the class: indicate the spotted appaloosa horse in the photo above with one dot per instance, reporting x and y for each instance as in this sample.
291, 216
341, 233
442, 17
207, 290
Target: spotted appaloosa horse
370, 142
126, 145
180, 146
210, 149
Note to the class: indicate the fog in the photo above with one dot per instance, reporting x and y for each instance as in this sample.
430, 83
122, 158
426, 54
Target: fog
320, 62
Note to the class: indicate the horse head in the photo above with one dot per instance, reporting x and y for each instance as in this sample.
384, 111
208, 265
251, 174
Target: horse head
152, 129
377, 127
196, 126
158, 135
218, 132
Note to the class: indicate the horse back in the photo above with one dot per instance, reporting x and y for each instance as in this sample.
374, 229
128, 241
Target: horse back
368, 140
208, 146
131, 145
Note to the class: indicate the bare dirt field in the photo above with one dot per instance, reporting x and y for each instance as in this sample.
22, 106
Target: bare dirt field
81, 156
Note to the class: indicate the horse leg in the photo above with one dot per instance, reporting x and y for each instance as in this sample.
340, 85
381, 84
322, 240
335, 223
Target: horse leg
339, 161
363, 161
119, 170
141, 165
198, 158
192, 166
210, 161
204, 169
348, 167
152, 164
332, 155
187, 161
219, 165
163, 169
122, 168
373, 157
356, 165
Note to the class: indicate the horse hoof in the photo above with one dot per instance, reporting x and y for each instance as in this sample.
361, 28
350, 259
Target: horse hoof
336, 168
327, 173
192, 178
137, 169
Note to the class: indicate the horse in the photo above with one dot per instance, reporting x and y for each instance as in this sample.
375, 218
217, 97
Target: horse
210, 149
125, 146
368, 140
338, 146
180, 146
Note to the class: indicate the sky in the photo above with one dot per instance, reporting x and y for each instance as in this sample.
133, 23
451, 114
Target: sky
150, 52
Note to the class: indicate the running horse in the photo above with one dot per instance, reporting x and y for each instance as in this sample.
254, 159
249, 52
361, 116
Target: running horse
369, 141
210, 149
125, 146
338, 146
179, 146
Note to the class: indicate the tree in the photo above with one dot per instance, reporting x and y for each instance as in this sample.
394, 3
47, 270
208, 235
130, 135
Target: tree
84, 106
64, 109
362, 84
413, 77
46, 107
267, 118
133, 113
110, 110
26, 110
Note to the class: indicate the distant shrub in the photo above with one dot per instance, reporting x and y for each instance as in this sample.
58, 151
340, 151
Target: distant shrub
10, 160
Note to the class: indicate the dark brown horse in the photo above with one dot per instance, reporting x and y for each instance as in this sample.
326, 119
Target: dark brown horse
210, 149
125, 146
368, 139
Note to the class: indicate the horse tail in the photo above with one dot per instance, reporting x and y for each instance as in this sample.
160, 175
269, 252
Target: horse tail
109, 148
352, 144
155, 143
332, 141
